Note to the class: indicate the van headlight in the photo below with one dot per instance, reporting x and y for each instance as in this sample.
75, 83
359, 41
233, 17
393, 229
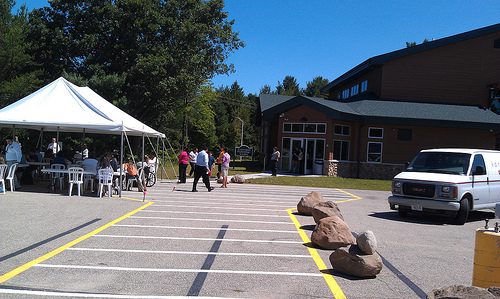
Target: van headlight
449, 192
396, 187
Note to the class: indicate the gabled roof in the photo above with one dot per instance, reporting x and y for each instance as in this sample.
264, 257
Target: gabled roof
377, 61
370, 110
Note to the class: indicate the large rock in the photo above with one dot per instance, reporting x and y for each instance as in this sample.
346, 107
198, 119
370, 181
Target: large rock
237, 179
366, 242
325, 209
459, 292
353, 262
307, 202
332, 233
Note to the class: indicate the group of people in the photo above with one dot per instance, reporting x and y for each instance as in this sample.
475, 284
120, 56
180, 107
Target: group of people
202, 164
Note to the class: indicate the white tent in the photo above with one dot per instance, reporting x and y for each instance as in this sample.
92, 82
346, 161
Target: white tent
63, 106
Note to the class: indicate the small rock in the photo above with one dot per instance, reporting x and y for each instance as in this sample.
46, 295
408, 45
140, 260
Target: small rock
460, 292
332, 233
307, 202
495, 291
352, 261
366, 242
325, 209
237, 179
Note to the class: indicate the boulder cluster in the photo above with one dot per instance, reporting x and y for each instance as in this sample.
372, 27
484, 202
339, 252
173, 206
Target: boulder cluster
352, 256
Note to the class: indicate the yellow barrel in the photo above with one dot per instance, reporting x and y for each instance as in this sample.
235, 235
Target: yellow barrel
486, 259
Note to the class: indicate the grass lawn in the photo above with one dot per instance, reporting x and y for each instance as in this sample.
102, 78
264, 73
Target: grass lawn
246, 167
325, 182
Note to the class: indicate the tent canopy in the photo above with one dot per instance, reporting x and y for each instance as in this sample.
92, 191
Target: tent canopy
63, 106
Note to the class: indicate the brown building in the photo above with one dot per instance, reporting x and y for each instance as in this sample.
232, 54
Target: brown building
381, 113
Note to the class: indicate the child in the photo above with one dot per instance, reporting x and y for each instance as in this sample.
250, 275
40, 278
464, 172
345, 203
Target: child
131, 171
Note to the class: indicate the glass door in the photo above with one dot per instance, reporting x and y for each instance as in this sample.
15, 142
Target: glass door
314, 156
289, 145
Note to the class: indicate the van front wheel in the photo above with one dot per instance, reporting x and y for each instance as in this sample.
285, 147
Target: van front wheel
463, 212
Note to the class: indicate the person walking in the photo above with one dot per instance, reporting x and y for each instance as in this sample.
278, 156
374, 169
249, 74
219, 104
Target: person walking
219, 162
202, 169
183, 164
13, 155
225, 167
192, 160
275, 156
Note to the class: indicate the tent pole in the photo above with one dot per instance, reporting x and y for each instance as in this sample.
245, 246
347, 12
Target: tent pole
121, 165
143, 161
13, 132
41, 142
157, 148
83, 140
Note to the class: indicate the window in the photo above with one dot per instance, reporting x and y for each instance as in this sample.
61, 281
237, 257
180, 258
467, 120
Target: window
478, 161
310, 128
341, 150
374, 152
321, 128
375, 133
297, 128
345, 94
304, 128
364, 86
354, 90
404, 134
342, 130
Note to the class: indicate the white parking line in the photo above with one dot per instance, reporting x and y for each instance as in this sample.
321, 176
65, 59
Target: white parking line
208, 213
209, 228
181, 270
223, 207
192, 252
90, 295
215, 204
198, 239
213, 220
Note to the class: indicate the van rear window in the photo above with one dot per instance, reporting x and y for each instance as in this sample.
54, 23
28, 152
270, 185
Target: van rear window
442, 162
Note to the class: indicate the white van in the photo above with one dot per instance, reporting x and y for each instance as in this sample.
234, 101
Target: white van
450, 182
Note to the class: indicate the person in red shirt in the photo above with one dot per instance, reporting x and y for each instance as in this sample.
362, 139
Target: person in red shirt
183, 163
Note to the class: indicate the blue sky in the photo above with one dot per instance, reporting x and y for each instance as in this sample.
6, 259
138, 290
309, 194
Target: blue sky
309, 38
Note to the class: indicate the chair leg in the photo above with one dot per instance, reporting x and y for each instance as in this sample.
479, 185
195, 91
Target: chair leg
78, 186
70, 188
110, 189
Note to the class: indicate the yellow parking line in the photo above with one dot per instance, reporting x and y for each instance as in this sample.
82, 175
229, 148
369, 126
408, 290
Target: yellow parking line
25, 267
334, 287
352, 199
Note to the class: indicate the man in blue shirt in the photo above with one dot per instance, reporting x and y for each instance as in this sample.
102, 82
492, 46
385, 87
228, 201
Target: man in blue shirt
13, 155
202, 169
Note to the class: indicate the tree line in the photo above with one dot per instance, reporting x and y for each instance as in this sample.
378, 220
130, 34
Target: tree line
154, 59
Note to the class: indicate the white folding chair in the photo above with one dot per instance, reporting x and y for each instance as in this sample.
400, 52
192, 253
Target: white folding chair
89, 177
75, 177
10, 176
57, 176
3, 170
105, 178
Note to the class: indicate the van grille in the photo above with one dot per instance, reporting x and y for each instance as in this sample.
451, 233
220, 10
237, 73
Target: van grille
420, 190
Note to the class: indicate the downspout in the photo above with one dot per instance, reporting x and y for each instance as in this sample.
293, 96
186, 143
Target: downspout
359, 148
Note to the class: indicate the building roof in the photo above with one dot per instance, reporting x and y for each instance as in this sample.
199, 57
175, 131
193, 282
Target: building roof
377, 61
381, 111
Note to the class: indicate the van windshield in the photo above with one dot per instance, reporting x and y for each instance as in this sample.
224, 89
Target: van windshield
449, 163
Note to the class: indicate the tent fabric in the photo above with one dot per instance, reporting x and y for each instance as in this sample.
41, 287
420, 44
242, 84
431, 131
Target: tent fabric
63, 106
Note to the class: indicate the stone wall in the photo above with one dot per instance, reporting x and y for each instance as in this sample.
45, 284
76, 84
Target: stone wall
376, 171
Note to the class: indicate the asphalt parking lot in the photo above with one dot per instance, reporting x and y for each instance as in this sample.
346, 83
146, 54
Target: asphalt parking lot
246, 241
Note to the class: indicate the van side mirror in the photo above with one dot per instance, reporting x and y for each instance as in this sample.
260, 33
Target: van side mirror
478, 171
